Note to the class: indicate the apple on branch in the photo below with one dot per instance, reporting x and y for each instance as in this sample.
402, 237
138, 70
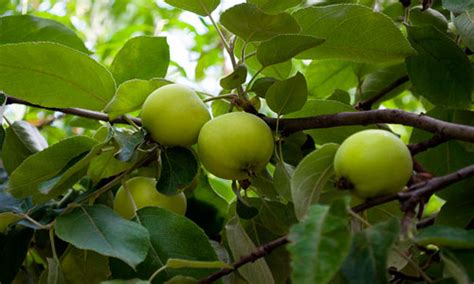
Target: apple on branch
143, 192
373, 163
174, 114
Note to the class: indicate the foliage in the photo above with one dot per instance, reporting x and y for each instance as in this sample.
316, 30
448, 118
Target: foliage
73, 79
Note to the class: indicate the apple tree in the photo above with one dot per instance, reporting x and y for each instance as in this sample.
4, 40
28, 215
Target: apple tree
258, 141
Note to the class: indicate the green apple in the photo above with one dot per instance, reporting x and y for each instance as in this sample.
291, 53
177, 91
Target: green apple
174, 114
373, 163
235, 145
143, 192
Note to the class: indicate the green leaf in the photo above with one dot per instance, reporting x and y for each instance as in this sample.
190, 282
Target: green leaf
325, 76
80, 266
234, 79
454, 267
55, 274
74, 170
177, 263
354, 33
262, 184
252, 24
320, 243
445, 236
465, 27
179, 168
22, 139
275, 216
441, 71
367, 260
428, 17
261, 86
27, 178
377, 81
458, 6
29, 136
287, 96
282, 179
142, 57
200, 7
329, 135
100, 229
27, 28
128, 144
284, 47
131, 94
311, 177
279, 260
171, 236
241, 245
105, 165
52, 75
275, 6
340, 96
279, 71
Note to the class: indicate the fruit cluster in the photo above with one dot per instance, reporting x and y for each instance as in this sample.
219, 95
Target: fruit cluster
238, 145
232, 146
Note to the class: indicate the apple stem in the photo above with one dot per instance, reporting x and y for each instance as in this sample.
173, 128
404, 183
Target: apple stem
344, 184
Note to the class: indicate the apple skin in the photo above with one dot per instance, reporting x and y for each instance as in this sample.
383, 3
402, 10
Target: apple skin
174, 114
374, 162
235, 145
145, 194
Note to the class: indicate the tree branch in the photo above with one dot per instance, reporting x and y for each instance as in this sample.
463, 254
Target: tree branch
367, 104
412, 196
425, 145
260, 252
76, 111
433, 185
417, 191
421, 121
444, 129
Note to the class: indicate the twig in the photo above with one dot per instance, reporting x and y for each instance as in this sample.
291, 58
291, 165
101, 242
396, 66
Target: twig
36, 223
425, 145
229, 96
367, 104
260, 252
399, 275
426, 222
77, 111
418, 190
421, 121
369, 203
438, 183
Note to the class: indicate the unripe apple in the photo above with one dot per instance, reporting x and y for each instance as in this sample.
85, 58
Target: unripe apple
235, 145
174, 114
143, 192
373, 163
